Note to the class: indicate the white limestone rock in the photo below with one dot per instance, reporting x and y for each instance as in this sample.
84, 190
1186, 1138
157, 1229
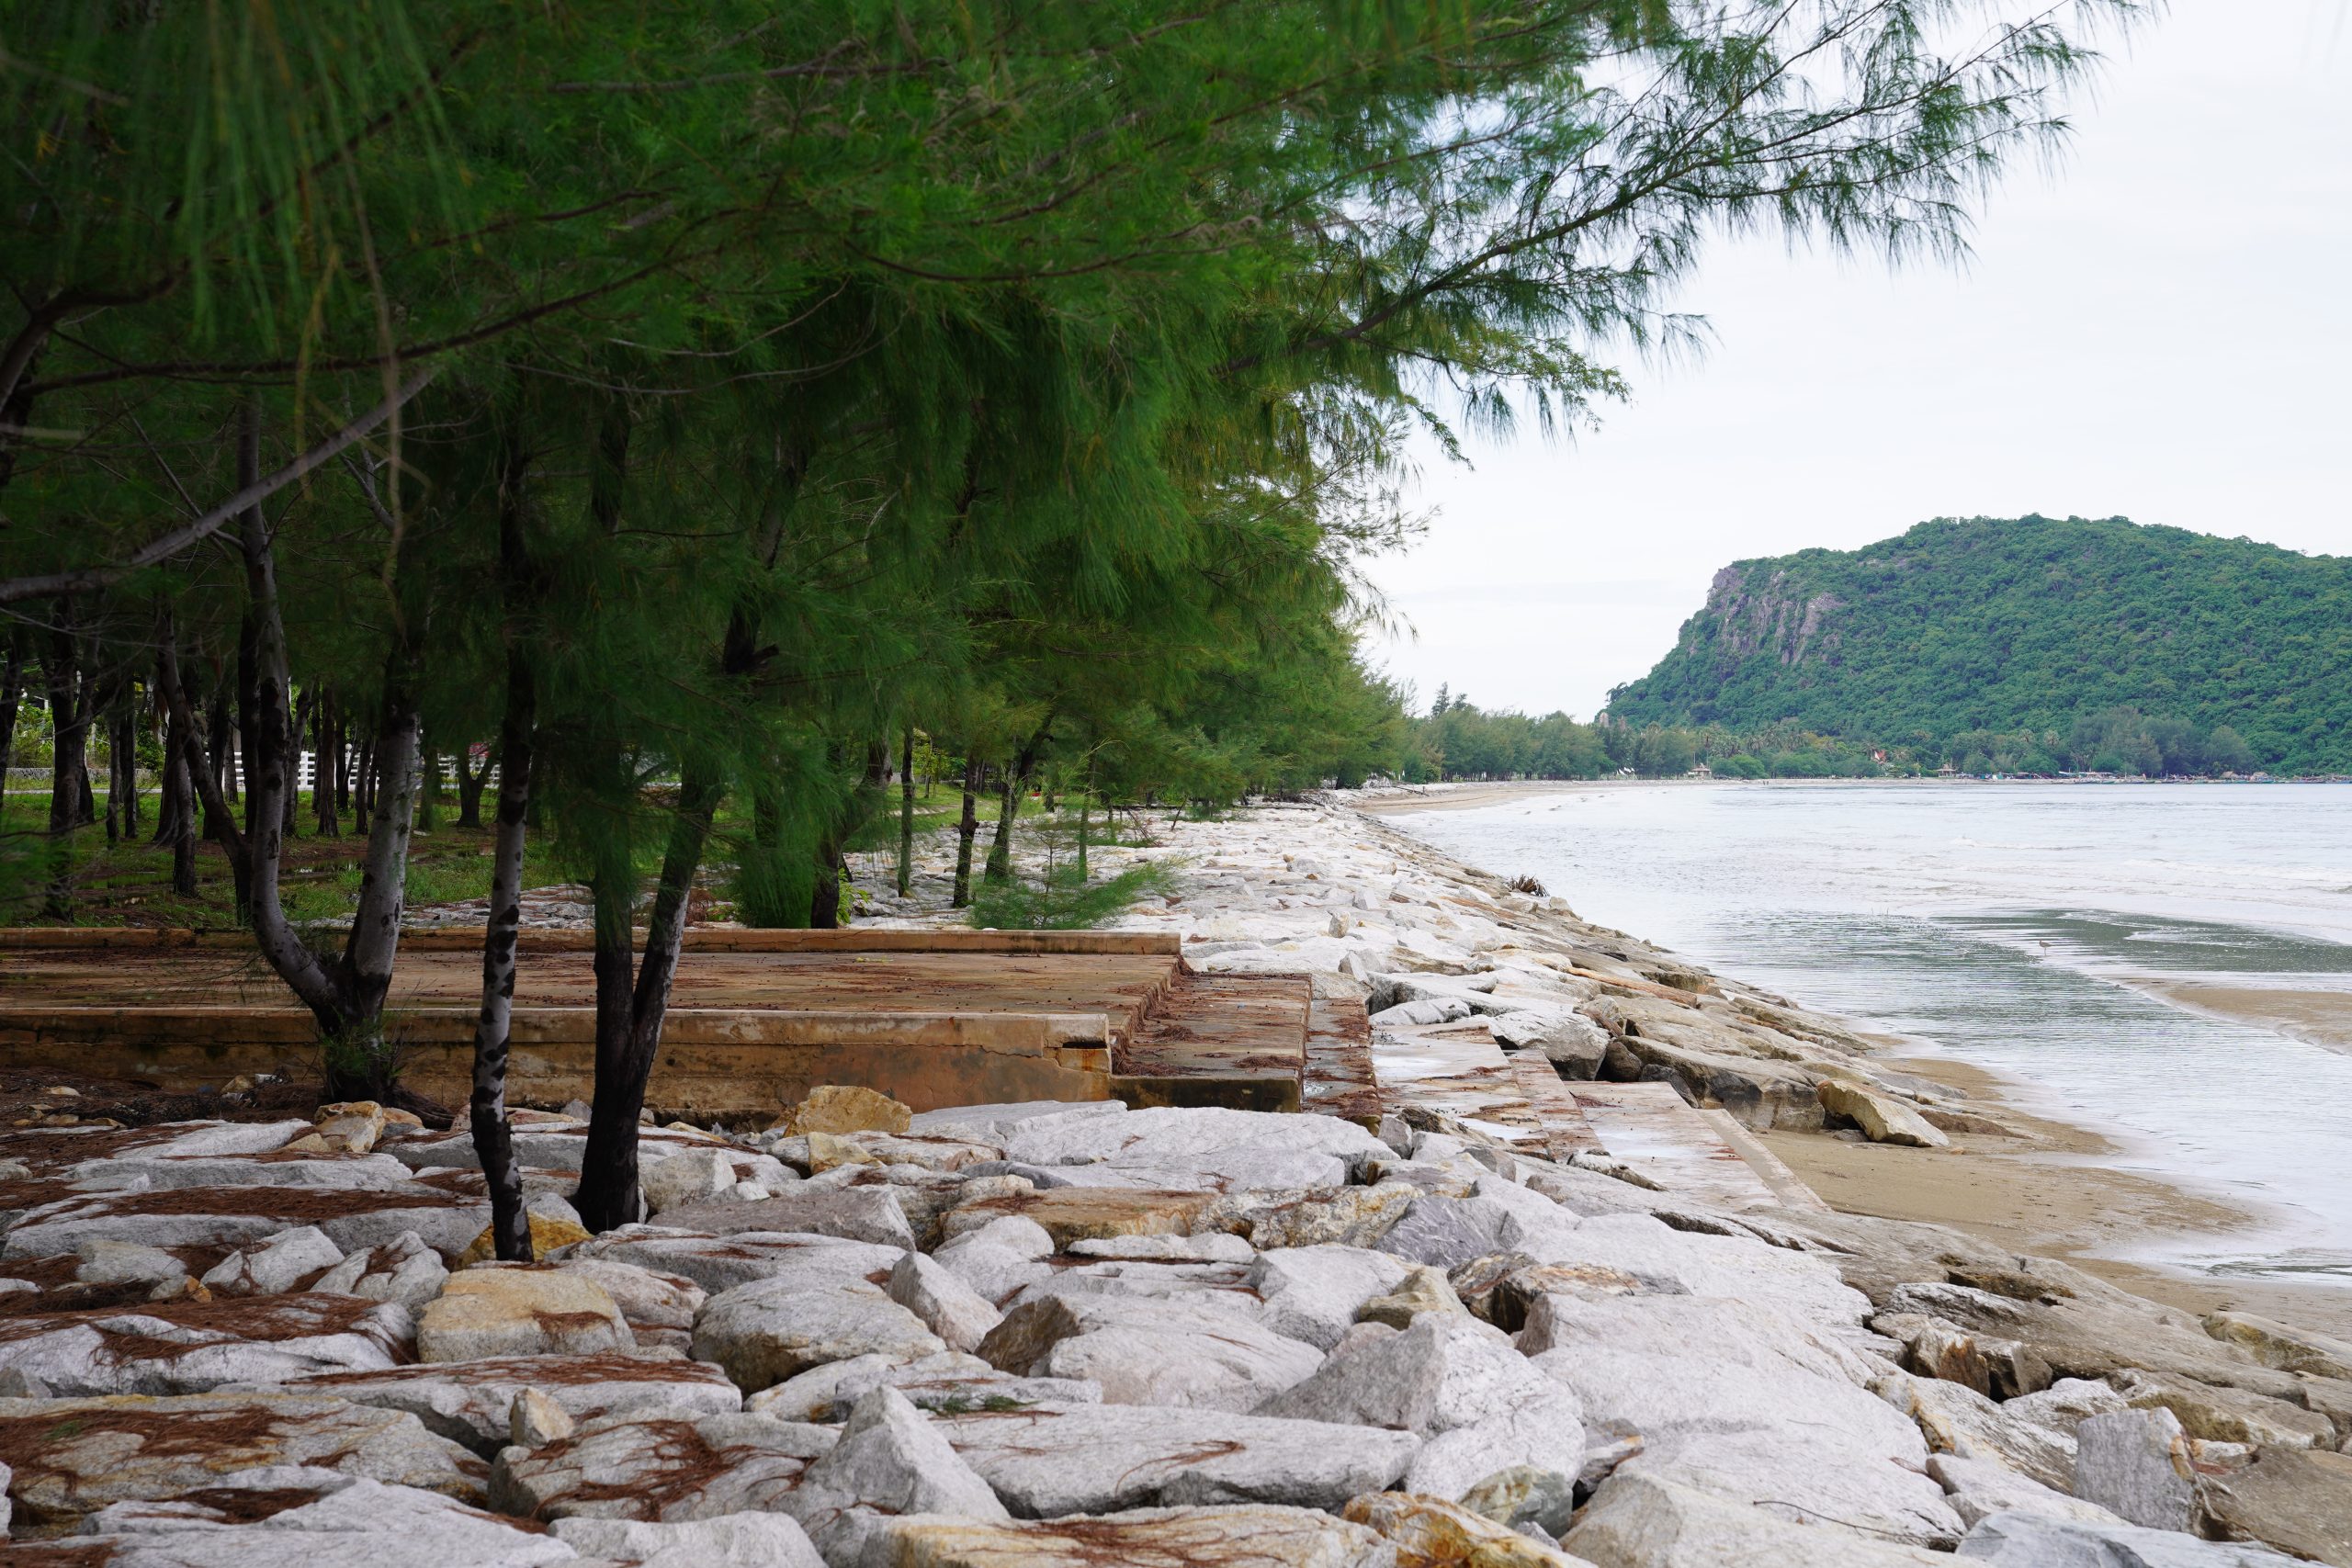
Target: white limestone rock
660, 1468
1453, 1380
1100, 1459
75, 1457
403, 1270
275, 1265
770, 1329
468, 1401
690, 1176
1957, 1420
124, 1262
1190, 1351
346, 1521
150, 1351
1980, 1488
890, 1461
2137, 1465
2031, 1540
719, 1263
1638, 1521
1312, 1293
730, 1540
960, 1315
948, 1381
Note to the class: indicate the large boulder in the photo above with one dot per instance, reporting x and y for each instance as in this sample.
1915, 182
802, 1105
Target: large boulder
2138, 1465
889, 1462
2031, 1541
1639, 1521
717, 1263
1099, 1458
1883, 1118
237, 1216
187, 1346
1312, 1293
1957, 1420
949, 1381
294, 1517
484, 1313
468, 1401
2298, 1500
1979, 1488
1258, 1537
1078, 1213
855, 1213
771, 1329
275, 1264
2083, 1329
845, 1108
1456, 1382
1429, 1532
2226, 1415
730, 1540
1725, 1427
403, 1270
1193, 1351
2273, 1344
665, 1468
74, 1457
959, 1315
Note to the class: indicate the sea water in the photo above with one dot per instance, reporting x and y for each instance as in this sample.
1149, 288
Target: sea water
2017, 925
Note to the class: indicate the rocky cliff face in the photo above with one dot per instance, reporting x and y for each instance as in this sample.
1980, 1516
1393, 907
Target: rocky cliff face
1752, 612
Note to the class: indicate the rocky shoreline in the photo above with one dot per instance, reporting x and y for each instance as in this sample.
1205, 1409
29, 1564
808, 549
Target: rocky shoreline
1054, 1333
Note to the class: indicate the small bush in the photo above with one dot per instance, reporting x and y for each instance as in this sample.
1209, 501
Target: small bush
1527, 884
1065, 901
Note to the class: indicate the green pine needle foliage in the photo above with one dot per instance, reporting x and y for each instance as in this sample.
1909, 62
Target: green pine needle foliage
1065, 901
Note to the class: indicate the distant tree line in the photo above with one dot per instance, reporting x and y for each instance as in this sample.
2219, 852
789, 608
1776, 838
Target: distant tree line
1457, 739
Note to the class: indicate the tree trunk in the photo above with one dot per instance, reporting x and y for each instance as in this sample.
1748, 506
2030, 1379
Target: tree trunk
510, 1225
1017, 784
629, 1014
69, 726
326, 743
428, 792
183, 786
907, 812
968, 827
297, 721
494, 1135
469, 787
12, 685
1008, 801
362, 787
345, 995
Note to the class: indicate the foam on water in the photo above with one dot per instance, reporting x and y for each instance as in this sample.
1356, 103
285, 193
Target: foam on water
2017, 925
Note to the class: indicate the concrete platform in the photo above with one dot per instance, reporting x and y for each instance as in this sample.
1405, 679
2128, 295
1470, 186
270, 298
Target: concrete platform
757, 1018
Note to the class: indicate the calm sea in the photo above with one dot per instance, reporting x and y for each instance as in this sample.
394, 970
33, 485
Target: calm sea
2009, 924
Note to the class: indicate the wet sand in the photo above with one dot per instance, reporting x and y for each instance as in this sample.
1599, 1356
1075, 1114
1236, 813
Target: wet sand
2046, 1192
2315, 1017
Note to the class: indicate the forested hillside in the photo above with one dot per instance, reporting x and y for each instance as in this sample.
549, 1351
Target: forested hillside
2033, 627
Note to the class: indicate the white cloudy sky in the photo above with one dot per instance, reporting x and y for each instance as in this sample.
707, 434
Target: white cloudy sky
2162, 329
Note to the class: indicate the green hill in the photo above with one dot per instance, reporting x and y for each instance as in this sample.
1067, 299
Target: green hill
2016, 625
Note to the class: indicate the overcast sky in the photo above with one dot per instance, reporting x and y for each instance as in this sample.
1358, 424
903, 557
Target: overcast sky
2160, 330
